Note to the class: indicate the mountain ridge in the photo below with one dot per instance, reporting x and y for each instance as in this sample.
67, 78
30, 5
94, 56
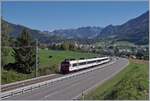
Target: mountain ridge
134, 30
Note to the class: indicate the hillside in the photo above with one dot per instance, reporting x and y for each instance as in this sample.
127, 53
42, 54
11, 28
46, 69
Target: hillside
134, 30
36, 34
56, 35
79, 33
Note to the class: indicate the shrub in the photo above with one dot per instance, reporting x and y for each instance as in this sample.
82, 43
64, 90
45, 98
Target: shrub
48, 70
12, 76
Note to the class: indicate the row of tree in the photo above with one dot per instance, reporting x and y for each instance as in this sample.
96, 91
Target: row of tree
64, 46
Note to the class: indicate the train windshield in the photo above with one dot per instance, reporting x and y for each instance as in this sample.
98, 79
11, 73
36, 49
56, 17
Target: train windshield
65, 67
65, 64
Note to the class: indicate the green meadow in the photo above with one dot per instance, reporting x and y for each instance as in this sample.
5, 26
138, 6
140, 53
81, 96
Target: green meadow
57, 56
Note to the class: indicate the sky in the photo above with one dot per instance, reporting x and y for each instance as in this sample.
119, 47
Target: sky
48, 16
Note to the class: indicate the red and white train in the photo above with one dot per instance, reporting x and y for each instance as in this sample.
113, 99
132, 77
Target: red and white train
75, 65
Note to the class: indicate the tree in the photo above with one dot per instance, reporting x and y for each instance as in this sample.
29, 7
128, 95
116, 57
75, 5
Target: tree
140, 54
24, 55
5, 29
72, 47
116, 51
65, 46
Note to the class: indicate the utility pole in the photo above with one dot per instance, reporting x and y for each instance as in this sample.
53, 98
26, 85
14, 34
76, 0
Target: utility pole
83, 95
36, 65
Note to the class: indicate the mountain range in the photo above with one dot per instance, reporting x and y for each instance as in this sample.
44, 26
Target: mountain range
135, 30
81, 32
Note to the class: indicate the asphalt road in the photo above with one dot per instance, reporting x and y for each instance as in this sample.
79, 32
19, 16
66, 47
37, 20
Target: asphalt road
71, 88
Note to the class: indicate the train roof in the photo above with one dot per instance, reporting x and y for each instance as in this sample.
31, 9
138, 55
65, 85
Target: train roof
84, 60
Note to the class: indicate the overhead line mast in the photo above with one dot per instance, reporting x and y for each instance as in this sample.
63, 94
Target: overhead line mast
36, 65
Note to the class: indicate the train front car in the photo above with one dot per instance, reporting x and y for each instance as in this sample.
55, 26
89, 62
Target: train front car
65, 67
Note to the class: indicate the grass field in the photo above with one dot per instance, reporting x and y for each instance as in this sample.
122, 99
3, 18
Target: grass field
132, 83
58, 56
47, 65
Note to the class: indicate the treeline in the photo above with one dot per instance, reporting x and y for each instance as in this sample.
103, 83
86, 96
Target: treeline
64, 46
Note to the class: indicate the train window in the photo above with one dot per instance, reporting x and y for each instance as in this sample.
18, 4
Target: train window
94, 61
75, 64
91, 62
104, 59
82, 63
99, 60
88, 62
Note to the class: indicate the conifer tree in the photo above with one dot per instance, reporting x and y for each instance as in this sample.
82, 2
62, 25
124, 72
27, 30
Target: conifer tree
25, 53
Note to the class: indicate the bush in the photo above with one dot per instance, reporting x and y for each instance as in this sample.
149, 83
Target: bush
50, 56
18, 68
12, 76
44, 71
48, 70
10, 66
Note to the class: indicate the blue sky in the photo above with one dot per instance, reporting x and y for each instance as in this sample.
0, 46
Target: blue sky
62, 15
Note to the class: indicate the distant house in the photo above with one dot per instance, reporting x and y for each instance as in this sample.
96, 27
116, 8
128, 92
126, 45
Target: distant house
133, 56
46, 48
